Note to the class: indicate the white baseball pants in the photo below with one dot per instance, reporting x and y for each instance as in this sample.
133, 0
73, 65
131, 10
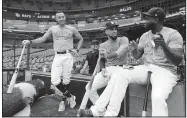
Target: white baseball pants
98, 83
62, 65
162, 81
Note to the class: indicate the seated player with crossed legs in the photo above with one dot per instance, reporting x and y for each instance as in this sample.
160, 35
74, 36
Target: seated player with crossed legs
115, 50
162, 49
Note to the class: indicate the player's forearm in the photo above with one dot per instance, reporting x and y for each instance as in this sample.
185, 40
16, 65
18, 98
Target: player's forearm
80, 43
122, 51
136, 53
112, 55
174, 56
38, 40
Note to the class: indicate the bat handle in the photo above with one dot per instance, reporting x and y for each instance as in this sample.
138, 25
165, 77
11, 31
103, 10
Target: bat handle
102, 63
22, 52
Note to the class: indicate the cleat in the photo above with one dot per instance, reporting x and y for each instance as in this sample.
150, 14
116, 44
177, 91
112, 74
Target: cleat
61, 106
85, 113
72, 101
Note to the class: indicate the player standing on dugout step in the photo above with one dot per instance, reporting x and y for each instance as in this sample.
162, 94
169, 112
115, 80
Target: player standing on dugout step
115, 50
62, 35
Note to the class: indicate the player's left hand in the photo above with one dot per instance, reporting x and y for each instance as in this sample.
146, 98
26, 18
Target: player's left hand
74, 52
104, 72
133, 44
159, 41
103, 53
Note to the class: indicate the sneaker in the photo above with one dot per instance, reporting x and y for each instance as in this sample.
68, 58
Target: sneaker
72, 101
85, 113
78, 113
61, 106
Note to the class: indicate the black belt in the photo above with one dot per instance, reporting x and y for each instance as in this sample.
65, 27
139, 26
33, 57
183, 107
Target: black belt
64, 52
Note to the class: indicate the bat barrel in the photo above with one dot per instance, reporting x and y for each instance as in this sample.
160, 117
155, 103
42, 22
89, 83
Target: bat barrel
12, 82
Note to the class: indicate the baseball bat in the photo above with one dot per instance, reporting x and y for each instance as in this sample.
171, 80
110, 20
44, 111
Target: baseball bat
146, 95
14, 77
101, 62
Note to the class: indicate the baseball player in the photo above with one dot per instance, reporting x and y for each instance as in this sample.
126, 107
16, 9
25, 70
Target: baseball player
91, 58
162, 54
115, 51
63, 61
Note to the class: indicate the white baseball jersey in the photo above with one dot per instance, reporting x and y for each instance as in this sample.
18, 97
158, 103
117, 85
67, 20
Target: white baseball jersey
157, 56
62, 37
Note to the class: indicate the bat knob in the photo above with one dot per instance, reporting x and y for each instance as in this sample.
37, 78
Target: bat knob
103, 59
150, 72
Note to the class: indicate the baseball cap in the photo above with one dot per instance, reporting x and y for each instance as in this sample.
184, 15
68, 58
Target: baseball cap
110, 25
156, 12
95, 42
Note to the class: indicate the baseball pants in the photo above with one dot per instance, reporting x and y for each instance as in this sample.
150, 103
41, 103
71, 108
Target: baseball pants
62, 65
162, 81
98, 83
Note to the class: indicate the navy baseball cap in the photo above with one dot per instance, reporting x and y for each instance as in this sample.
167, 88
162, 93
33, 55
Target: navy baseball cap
110, 25
156, 12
